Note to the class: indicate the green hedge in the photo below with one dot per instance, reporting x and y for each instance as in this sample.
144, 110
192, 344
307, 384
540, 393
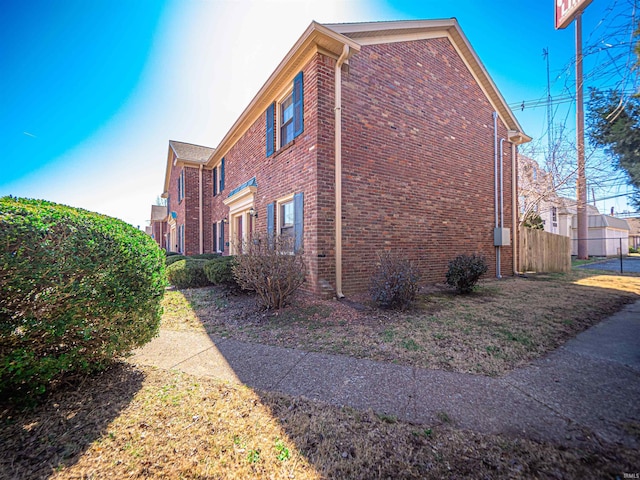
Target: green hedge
170, 260
76, 290
219, 271
187, 273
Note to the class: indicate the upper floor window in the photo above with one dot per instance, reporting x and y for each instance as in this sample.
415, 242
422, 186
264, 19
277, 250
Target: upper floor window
284, 118
181, 186
218, 178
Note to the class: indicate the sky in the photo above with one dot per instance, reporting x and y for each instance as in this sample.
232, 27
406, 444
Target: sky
92, 91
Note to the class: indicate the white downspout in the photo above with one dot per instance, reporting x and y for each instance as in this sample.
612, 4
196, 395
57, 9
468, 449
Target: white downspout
495, 185
514, 205
502, 140
200, 210
338, 167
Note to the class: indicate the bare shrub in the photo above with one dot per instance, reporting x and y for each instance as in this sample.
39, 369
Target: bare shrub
394, 283
269, 266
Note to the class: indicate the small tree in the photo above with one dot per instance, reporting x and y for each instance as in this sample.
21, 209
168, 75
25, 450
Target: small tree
270, 266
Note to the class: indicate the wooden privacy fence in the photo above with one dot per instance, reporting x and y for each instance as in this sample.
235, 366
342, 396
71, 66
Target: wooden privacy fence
541, 251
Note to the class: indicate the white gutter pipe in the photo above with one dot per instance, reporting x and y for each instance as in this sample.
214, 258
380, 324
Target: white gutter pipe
514, 205
200, 211
502, 140
338, 167
495, 185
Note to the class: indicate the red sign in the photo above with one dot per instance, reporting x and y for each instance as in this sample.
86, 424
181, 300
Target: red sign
566, 11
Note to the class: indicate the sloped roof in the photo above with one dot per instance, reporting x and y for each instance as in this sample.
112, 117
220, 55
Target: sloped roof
570, 206
188, 152
158, 213
332, 39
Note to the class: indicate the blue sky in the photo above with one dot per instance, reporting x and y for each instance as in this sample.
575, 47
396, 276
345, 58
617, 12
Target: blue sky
92, 91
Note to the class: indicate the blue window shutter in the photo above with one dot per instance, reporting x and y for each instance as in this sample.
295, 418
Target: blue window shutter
215, 238
221, 246
270, 129
271, 220
222, 175
298, 106
298, 219
215, 181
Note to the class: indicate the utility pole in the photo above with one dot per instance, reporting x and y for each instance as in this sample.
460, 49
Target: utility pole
565, 12
581, 187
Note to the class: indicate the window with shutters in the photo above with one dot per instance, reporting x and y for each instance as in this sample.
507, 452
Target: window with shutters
181, 186
285, 217
218, 178
214, 237
284, 117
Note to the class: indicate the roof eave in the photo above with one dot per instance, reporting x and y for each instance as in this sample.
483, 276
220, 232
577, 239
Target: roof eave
316, 38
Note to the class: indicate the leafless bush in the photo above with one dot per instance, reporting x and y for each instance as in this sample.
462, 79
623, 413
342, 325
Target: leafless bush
394, 283
269, 266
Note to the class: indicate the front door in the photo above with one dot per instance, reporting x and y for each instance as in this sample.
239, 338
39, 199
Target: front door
239, 234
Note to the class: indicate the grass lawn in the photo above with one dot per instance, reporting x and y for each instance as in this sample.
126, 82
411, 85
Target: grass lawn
502, 325
145, 423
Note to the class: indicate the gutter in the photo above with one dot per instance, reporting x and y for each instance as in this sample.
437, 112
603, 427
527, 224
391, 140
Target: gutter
514, 199
200, 211
338, 165
495, 188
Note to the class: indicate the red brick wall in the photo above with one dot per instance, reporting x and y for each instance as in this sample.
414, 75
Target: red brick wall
159, 229
417, 161
290, 170
188, 209
417, 166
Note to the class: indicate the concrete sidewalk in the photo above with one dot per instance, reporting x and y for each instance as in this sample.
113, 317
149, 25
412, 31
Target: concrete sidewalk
592, 382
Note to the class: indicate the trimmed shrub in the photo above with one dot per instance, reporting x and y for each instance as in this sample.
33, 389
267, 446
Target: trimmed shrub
465, 271
187, 273
176, 257
76, 290
170, 254
206, 256
219, 271
270, 267
394, 283
633, 250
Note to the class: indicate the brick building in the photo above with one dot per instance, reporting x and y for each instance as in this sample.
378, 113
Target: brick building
368, 137
158, 225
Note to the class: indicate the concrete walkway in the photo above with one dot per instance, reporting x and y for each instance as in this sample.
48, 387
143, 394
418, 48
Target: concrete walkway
592, 383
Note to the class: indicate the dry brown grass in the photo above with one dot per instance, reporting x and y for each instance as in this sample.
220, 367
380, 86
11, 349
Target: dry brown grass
129, 423
145, 423
501, 326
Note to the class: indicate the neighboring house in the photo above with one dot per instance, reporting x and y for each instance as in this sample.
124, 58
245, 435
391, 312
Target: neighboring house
606, 233
158, 225
368, 137
634, 232
187, 188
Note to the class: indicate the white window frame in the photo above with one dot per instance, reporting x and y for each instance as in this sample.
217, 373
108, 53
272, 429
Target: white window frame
278, 126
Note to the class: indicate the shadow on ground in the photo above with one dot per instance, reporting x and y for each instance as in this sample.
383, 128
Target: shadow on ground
38, 441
